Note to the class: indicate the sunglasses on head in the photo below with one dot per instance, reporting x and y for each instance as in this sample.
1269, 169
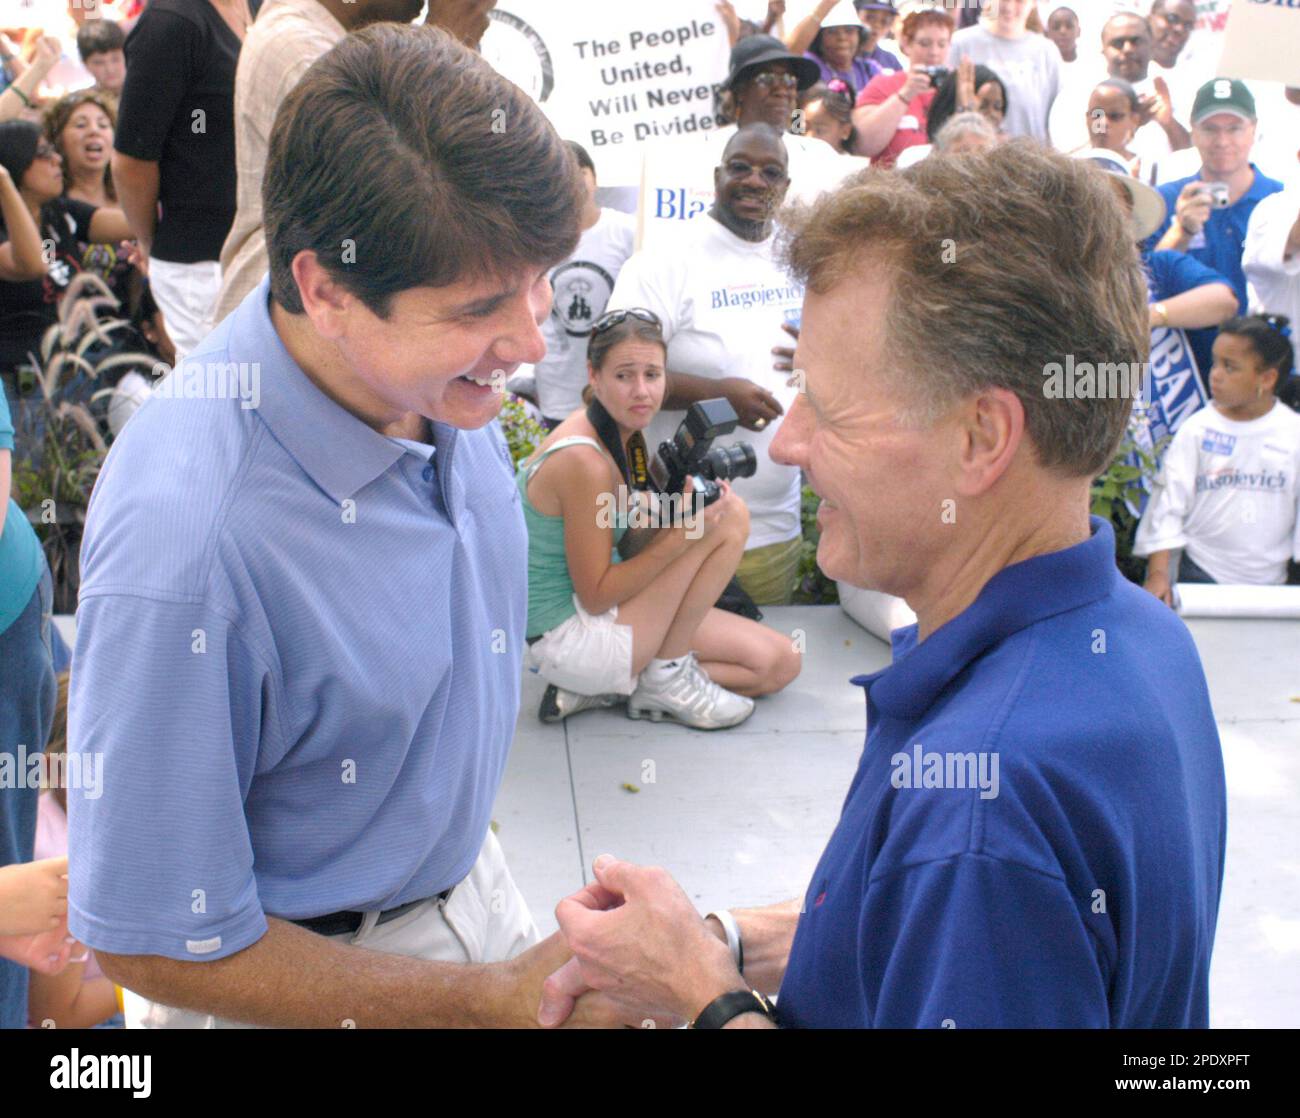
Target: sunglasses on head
611, 319
45, 150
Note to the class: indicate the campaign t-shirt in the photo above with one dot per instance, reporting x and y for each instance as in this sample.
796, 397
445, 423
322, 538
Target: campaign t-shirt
1029, 68
1227, 494
912, 125
30, 307
722, 301
582, 286
177, 111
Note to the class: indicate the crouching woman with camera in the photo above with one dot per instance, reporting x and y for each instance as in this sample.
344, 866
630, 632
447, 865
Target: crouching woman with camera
617, 611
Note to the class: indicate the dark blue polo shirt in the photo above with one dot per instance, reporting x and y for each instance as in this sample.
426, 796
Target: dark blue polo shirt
1074, 880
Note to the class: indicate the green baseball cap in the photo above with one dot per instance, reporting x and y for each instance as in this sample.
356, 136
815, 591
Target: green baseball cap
1223, 95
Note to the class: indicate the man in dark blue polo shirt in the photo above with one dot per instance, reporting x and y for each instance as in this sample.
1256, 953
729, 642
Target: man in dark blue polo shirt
1209, 212
1035, 832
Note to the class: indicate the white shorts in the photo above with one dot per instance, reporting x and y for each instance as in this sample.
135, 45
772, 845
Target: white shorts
186, 294
586, 654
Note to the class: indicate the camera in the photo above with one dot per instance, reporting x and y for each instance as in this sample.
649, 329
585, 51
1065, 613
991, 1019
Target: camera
938, 74
690, 453
1218, 192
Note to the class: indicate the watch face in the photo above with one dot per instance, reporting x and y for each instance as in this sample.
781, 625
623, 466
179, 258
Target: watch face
516, 51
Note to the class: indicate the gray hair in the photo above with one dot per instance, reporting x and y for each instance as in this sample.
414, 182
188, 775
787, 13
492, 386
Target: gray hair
1003, 264
962, 125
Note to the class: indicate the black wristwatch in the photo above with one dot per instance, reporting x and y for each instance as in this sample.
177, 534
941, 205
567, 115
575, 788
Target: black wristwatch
732, 1004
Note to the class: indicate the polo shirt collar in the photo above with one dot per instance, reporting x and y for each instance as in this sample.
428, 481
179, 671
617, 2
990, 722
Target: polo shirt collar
339, 452
1015, 598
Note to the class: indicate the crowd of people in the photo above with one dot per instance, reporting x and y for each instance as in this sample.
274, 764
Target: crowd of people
173, 175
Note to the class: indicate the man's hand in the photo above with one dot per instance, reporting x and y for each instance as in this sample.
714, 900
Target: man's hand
1157, 583
585, 1010
1157, 106
33, 896
783, 355
636, 937
751, 401
1193, 207
465, 19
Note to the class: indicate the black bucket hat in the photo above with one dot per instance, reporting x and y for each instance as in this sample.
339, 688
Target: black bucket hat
757, 50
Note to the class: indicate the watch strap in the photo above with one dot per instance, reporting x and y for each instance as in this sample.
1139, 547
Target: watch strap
732, 1004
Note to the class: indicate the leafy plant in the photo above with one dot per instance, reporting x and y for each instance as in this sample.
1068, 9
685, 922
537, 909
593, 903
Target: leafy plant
66, 436
1119, 492
813, 587
523, 433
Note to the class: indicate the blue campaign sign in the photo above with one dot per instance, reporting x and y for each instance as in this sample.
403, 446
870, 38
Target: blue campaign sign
1172, 390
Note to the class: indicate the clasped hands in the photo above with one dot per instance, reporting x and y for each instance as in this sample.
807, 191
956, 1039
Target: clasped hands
642, 956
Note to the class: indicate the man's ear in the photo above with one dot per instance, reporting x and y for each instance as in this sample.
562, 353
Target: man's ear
325, 302
992, 429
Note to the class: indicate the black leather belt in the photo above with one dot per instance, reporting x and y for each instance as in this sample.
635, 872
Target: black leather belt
347, 923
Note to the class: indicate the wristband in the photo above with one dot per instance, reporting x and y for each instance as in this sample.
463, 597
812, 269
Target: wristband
899, 94
1162, 313
732, 931
21, 95
732, 1004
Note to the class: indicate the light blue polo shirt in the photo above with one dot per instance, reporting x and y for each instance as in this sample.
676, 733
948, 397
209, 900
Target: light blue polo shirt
298, 653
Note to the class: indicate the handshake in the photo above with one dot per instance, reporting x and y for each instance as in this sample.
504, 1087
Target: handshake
632, 951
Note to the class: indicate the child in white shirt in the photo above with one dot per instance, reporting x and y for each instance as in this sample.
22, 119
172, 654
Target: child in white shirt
1227, 493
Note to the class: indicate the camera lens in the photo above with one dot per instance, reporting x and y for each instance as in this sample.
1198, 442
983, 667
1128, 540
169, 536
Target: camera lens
727, 462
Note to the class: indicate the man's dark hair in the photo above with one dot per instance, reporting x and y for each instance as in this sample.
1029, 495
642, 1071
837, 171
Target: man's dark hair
99, 36
581, 154
404, 160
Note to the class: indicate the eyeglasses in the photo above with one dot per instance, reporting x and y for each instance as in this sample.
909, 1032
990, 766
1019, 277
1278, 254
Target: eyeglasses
1232, 131
610, 319
767, 80
46, 150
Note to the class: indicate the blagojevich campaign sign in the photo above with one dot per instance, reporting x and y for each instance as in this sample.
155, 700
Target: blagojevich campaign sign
613, 75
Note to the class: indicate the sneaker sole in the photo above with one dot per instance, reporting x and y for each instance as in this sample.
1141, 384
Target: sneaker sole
549, 711
654, 714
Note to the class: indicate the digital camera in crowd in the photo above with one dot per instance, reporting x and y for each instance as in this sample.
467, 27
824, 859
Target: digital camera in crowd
691, 453
938, 74
1219, 193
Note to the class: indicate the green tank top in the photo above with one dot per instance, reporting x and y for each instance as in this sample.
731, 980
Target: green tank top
550, 589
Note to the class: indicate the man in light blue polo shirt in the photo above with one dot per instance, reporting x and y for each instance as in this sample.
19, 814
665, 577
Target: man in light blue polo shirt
1035, 833
303, 600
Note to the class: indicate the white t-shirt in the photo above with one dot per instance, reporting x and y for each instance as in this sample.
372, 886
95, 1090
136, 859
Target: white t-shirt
722, 300
1274, 283
582, 286
1227, 493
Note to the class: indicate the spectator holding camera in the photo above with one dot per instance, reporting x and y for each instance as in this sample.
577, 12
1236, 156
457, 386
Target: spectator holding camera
722, 299
892, 112
1228, 488
1210, 211
602, 629
968, 91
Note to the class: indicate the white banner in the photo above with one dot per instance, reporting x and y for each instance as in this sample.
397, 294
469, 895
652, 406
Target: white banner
1261, 41
614, 74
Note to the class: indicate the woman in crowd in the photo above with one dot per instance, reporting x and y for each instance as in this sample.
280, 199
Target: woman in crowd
892, 112
602, 627
965, 132
968, 89
831, 36
1029, 63
82, 126
828, 114
1227, 493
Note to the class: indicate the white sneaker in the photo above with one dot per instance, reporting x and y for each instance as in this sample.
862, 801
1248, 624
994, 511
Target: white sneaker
690, 697
558, 704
